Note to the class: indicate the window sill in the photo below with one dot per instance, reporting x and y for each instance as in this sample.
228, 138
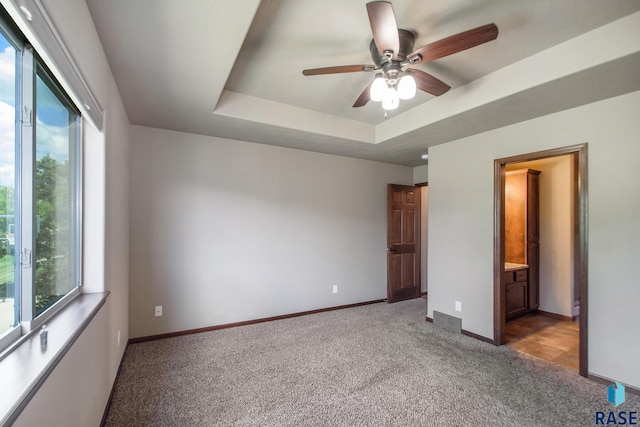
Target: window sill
27, 367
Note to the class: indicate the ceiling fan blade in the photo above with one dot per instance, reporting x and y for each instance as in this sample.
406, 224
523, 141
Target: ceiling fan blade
384, 26
338, 69
455, 43
364, 97
427, 83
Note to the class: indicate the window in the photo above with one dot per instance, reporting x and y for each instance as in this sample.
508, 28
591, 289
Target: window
40, 189
8, 145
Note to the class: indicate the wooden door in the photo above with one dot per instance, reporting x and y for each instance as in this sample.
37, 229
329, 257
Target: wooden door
403, 242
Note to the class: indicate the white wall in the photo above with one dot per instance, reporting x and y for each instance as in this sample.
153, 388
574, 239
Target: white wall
421, 174
77, 390
75, 393
556, 184
224, 231
116, 258
461, 223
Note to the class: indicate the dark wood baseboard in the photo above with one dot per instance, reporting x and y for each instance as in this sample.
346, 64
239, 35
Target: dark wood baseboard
247, 322
113, 387
428, 319
556, 316
478, 337
606, 381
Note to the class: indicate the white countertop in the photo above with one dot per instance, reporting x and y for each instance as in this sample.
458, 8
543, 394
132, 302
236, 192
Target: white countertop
511, 266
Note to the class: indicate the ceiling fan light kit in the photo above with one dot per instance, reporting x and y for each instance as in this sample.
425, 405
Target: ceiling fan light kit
407, 86
391, 91
391, 100
392, 52
378, 88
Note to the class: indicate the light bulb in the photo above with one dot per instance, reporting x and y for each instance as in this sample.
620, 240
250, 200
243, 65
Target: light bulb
378, 88
391, 99
407, 87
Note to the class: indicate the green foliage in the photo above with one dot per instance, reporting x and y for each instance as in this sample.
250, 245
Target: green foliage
6, 269
7, 208
6, 277
53, 234
53, 241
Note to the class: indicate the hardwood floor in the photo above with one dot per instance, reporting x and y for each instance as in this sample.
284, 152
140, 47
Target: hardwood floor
545, 337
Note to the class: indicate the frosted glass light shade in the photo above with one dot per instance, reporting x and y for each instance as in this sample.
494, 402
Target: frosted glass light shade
407, 87
378, 89
391, 99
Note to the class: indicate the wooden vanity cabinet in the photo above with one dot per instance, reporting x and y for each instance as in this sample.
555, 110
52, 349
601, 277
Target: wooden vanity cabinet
517, 292
522, 220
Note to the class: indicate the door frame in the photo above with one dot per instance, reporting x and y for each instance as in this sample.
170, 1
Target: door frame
424, 272
580, 244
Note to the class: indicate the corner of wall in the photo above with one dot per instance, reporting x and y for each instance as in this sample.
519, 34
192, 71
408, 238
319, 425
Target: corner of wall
421, 174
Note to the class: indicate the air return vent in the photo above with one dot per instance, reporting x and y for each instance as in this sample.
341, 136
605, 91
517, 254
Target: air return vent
445, 321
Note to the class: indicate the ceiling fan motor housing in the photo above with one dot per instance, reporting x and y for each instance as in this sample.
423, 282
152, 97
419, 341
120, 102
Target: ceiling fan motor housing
392, 67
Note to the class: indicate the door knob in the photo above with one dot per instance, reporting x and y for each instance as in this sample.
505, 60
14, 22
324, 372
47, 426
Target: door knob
392, 250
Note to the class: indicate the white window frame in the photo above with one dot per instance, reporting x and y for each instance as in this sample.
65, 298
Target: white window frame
29, 64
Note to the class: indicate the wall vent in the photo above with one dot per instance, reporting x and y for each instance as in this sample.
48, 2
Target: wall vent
445, 321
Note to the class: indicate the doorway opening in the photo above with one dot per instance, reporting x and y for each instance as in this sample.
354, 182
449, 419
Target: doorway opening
540, 268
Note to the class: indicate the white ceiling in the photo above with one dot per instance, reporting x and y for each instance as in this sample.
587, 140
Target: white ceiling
233, 69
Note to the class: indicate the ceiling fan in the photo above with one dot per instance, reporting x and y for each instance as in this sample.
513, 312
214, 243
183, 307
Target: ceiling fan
394, 56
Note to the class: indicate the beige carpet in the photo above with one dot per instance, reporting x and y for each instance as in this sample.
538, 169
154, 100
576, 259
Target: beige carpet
376, 365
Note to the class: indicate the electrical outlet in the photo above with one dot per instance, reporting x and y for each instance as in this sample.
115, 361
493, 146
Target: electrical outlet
458, 306
335, 289
118, 338
158, 310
